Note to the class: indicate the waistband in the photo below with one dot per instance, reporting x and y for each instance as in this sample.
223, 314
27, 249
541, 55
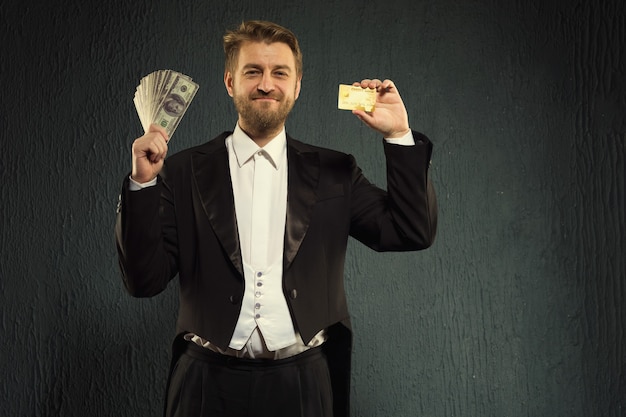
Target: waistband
207, 355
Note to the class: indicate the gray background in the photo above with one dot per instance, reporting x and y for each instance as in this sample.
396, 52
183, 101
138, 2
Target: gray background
517, 310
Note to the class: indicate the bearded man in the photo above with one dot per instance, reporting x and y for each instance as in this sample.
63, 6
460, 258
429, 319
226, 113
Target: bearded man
255, 225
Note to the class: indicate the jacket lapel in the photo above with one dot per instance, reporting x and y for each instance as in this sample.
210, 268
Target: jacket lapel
303, 178
214, 189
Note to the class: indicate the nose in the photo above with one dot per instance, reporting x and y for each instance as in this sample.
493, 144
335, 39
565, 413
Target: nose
266, 84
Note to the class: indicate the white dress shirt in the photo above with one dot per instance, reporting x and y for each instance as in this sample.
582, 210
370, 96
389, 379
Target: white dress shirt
259, 178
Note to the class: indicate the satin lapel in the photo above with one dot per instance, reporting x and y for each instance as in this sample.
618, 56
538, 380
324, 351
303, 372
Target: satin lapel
214, 187
301, 197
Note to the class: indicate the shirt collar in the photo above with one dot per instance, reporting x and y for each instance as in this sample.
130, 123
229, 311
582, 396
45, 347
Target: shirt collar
245, 148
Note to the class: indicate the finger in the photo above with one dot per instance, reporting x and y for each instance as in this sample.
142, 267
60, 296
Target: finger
151, 146
386, 85
374, 83
158, 149
366, 83
159, 138
144, 143
154, 128
363, 116
381, 86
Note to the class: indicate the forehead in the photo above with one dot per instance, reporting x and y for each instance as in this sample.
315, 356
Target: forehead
266, 54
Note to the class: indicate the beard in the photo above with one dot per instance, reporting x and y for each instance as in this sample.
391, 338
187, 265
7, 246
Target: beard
262, 118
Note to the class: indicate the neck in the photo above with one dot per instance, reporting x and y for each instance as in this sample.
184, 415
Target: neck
261, 136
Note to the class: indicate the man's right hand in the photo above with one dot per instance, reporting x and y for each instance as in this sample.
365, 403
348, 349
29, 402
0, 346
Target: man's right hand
149, 152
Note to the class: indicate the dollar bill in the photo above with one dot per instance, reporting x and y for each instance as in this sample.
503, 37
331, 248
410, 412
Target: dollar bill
163, 98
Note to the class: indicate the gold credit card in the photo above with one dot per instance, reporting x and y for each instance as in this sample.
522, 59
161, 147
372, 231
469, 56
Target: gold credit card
356, 98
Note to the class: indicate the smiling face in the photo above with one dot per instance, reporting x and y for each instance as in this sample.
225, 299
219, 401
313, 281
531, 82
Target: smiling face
264, 87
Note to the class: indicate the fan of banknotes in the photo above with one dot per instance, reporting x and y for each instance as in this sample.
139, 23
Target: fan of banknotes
162, 98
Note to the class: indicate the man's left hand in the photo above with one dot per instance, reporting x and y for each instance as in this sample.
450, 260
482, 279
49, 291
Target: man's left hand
389, 116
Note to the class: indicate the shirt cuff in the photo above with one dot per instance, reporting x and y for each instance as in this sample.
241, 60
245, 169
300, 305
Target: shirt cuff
406, 140
136, 186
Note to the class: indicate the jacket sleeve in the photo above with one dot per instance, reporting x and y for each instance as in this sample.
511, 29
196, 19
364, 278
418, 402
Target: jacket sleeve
146, 238
404, 217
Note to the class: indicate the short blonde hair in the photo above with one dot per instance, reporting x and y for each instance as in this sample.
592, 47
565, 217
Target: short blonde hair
259, 31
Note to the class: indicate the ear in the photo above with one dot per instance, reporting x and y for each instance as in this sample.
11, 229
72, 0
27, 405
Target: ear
298, 87
228, 82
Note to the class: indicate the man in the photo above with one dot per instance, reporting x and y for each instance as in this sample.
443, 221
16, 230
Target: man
255, 224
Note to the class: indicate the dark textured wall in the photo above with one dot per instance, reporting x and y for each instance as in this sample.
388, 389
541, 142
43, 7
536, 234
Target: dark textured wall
516, 311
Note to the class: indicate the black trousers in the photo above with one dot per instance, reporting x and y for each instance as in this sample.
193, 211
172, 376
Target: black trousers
206, 384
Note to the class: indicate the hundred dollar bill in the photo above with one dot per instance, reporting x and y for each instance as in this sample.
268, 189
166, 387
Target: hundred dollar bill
163, 97
174, 105
356, 98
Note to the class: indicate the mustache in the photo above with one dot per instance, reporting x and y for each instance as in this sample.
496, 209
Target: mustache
266, 95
